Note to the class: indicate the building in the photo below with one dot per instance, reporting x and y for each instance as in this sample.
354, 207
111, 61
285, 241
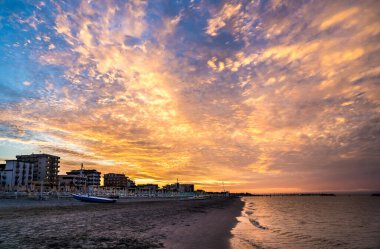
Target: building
70, 183
131, 183
92, 176
45, 169
18, 175
116, 180
30, 171
186, 188
179, 187
148, 188
3, 176
171, 187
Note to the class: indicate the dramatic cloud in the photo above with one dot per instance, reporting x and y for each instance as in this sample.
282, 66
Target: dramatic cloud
261, 95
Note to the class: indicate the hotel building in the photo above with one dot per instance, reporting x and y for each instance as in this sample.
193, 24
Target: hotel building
70, 183
116, 180
29, 172
45, 168
92, 176
16, 175
179, 187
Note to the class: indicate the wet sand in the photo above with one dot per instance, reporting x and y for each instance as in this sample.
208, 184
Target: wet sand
125, 224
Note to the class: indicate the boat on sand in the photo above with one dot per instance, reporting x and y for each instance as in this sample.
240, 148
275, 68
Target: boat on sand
91, 198
95, 199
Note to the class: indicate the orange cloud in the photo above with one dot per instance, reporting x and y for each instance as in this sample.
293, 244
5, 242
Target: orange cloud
287, 100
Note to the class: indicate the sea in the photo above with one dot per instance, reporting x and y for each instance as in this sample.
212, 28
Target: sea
308, 222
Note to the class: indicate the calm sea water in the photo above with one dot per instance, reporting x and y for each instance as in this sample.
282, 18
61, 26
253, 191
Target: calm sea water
308, 222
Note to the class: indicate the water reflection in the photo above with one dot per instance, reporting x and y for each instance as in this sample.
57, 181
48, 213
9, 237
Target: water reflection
308, 222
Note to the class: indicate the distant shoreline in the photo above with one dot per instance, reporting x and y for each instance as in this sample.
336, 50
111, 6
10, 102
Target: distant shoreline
300, 194
375, 193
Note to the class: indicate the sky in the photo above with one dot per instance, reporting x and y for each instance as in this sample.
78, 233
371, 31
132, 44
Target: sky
257, 96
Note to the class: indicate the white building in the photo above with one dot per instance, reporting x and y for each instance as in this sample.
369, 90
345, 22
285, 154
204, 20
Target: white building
29, 172
17, 176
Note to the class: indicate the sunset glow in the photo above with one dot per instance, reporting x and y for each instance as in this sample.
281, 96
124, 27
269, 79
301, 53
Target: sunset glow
263, 96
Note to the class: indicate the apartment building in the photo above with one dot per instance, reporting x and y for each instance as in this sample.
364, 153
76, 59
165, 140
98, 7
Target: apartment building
45, 169
29, 172
114, 180
92, 176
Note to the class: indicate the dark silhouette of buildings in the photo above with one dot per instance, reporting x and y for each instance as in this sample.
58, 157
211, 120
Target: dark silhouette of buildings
117, 181
92, 176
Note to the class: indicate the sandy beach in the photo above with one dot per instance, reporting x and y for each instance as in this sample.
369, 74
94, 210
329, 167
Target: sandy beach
126, 224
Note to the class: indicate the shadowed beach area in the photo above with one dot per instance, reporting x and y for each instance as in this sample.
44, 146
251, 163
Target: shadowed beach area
126, 224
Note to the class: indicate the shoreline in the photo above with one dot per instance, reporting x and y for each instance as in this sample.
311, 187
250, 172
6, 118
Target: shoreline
147, 223
209, 229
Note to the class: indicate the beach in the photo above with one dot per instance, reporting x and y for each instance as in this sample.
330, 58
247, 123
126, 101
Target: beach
147, 223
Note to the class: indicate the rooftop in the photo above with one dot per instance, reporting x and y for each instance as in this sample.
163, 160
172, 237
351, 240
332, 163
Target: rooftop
37, 155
